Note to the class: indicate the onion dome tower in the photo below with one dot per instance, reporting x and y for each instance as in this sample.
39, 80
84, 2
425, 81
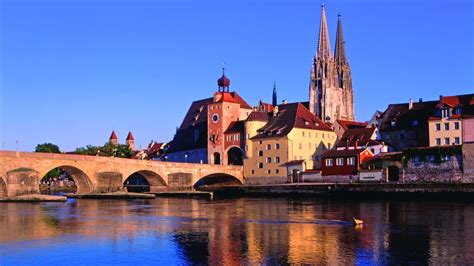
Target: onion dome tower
223, 83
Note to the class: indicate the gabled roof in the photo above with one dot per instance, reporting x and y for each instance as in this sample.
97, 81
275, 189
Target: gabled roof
235, 127
113, 135
456, 100
289, 116
346, 124
197, 113
264, 107
233, 97
258, 116
402, 116
363, 137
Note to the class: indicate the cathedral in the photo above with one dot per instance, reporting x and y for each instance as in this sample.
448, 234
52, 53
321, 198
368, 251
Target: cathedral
330, 92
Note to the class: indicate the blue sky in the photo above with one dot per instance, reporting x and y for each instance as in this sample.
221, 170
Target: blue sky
71, 71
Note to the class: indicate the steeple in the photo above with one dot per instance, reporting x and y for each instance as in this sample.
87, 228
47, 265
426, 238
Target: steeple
223, 82
339, 49
113, 138
324, 48
274, 96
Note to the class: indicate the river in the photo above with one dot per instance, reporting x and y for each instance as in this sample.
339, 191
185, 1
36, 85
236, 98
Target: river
235, 231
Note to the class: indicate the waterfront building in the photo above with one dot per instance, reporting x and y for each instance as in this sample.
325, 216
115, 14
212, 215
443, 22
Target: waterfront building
212, 130
343, 165
366, 137
331, 95
341, 126
283, 142
446, 125
405, 125
468, 129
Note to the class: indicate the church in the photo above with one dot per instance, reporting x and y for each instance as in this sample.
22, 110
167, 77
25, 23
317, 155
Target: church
331, 96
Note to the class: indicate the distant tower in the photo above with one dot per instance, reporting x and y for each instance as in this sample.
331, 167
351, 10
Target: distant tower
223, 83
113, 138
330, 90
130, 141
274, 96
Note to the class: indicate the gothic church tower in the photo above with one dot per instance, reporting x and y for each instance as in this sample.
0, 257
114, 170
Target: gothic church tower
330, 91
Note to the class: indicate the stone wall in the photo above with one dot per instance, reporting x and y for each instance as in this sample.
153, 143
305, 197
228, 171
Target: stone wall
448, 171
109, 182
266, 180
468, 161
339, 178
22, 181
180, 181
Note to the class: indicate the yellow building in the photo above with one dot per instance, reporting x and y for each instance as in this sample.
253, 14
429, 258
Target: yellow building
445, 128
290, 138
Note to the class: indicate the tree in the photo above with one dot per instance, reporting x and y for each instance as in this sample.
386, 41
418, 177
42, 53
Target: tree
107, 150
48, 148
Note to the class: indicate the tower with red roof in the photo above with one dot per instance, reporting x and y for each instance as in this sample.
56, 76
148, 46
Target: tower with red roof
130, 141
113, 138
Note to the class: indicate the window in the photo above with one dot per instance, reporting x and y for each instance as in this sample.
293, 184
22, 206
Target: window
260, 153
340, 161
260, 142
260, 165
269, 147
309, 134
445, 158
414, 123
269, 171
456, 140
438, 141
277, 171
269, 159
438, 127
351, 161
446, 126
329, 146
329, 162
253, 171
302, 133
277, 146
323, 135
456, 125
277, 159
446, 141
316, 158
301, 146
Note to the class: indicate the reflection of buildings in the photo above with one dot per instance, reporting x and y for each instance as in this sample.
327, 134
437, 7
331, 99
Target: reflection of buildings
259, 231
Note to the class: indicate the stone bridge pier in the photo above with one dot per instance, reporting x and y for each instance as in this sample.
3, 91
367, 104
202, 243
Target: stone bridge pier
21, 173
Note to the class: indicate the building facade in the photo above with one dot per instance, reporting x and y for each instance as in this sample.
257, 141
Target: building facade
331, 95
291, 135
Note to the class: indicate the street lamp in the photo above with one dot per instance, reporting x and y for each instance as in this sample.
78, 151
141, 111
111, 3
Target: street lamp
185, 157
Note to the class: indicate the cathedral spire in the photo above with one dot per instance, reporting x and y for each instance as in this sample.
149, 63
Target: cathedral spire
274, 96
324, 49
339, 50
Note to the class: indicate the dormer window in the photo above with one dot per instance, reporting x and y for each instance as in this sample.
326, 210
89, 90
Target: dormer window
446, 113
457, 110
393, 123
414, 123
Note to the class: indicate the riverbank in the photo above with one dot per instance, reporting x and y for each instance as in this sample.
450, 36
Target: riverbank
379, 190
34, 198
185, 194
115, 195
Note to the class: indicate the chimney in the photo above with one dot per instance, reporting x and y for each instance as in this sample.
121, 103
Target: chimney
410, 104
283, 102
441, 98
420, 100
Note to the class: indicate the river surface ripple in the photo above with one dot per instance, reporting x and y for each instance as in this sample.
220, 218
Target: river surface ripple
236, 231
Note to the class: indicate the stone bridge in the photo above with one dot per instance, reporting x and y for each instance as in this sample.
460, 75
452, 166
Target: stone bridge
21, 172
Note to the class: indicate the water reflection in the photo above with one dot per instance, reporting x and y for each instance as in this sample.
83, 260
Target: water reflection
237, 231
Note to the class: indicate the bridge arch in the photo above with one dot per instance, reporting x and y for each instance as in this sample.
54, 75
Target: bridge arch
217, 179
81, 179
152, 179
235, 155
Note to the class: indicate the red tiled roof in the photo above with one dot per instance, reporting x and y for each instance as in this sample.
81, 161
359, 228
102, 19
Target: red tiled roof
289, 116
113, 135
265, 107
233, 97
235, 127
238, 99
258, 116
197, 113
456, 100
130, 136
342, 153
362, 136
351, 124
